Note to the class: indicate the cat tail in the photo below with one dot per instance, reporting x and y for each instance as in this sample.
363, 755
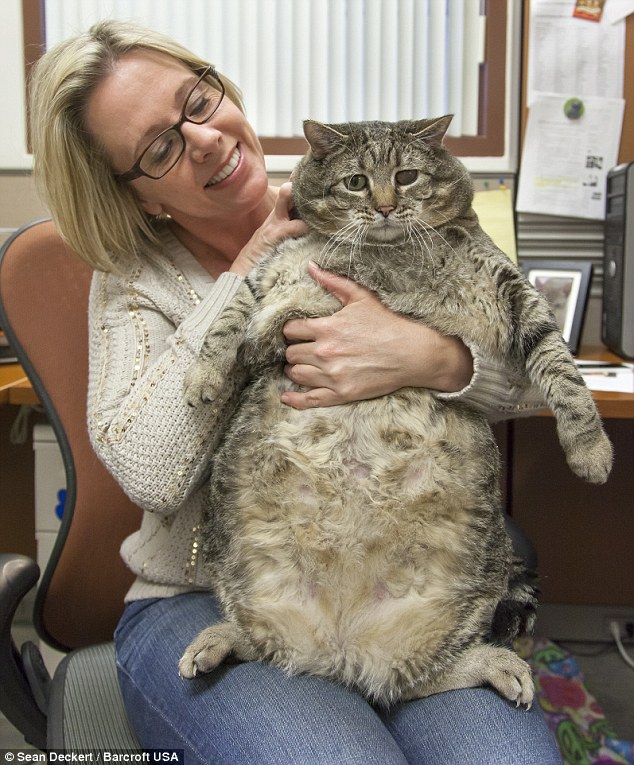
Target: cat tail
515, 614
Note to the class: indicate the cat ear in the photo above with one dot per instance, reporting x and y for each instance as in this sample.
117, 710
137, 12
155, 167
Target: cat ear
323, 139
433, 130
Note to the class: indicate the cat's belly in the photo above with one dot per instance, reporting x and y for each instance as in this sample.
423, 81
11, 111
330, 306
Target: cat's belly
401, 459
350, 525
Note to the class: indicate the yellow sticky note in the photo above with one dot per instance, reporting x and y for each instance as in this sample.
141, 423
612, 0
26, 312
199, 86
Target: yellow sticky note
495, 211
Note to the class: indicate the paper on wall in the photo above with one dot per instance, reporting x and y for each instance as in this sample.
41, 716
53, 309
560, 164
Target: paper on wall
572, 55
569, 147
616, 10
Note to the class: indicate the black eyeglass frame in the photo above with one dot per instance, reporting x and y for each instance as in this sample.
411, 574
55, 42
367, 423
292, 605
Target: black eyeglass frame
136, 171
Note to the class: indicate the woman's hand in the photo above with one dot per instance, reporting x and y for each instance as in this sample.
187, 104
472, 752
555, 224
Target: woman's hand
276, 227
366, 350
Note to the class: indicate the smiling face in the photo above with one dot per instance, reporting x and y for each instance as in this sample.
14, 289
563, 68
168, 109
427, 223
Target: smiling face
221, 171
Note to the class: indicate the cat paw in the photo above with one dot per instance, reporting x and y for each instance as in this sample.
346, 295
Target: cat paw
593, 463
511, 677
200, 384
207, 650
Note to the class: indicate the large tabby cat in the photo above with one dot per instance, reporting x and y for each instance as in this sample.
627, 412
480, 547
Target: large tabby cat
366, 542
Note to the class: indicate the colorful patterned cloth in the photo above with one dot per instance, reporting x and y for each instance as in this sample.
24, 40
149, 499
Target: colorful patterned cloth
574, 715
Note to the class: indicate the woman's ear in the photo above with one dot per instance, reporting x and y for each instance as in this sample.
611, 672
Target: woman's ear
151, 208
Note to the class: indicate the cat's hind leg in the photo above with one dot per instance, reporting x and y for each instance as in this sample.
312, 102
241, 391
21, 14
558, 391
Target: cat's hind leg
211, 647
486, 664
516, 612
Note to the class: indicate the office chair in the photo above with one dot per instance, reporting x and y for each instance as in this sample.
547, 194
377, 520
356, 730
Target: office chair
43, 310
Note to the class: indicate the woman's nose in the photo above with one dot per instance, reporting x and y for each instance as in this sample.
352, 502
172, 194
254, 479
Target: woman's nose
200, 139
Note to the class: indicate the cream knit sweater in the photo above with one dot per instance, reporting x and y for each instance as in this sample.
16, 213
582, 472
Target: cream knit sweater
146, 326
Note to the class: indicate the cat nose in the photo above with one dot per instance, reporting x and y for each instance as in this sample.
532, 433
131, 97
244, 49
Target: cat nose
386, 210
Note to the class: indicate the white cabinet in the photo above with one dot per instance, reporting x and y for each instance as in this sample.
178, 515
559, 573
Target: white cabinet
50, 491
50, 496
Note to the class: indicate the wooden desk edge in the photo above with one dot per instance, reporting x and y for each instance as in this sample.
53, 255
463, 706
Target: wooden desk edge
15, 388
611, 404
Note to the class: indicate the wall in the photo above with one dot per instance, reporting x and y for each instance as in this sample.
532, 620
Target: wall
19, 203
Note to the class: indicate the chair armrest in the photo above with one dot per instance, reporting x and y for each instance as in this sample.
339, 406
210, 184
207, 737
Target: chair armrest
18, 574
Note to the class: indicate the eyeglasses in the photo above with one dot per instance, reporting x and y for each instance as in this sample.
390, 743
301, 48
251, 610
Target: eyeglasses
167, 148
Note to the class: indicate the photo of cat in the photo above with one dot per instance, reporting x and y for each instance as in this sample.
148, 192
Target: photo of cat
560, 292
566, 286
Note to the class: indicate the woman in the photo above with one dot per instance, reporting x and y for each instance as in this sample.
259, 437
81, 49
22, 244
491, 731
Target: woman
154, 176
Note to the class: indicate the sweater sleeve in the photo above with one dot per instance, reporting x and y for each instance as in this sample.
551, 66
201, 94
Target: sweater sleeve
497, 391
156, 446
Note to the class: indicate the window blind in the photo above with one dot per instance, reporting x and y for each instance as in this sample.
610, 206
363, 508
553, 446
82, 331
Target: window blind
331, 60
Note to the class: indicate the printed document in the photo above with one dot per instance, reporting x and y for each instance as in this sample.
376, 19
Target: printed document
570, 145
571, 55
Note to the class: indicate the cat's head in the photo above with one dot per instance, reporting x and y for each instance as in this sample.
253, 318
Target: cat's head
379, 179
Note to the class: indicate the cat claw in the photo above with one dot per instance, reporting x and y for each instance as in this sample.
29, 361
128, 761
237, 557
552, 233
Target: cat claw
206, 651
511, 676
211, 647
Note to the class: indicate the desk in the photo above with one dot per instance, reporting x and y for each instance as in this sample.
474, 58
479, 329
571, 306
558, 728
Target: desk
17, 521
15, 388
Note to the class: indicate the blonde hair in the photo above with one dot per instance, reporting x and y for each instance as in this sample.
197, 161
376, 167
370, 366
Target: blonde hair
98, 216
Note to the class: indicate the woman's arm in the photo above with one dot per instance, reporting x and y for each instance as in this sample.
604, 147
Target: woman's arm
365, 350
155, 445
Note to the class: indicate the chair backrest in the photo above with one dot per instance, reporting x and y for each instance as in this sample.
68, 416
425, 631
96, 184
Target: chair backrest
44, 292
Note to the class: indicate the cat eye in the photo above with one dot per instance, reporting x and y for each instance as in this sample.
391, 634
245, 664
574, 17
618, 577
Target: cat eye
406, 177
356, 182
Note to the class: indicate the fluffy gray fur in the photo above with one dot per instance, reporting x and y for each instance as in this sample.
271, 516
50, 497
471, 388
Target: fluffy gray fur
365, 542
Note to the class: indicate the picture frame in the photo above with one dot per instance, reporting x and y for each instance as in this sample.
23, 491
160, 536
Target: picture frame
566, 286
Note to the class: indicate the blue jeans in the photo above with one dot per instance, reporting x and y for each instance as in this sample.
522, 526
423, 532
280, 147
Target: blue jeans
254, 714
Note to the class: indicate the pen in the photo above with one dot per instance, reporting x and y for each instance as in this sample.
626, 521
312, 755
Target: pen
592, 363
590, 370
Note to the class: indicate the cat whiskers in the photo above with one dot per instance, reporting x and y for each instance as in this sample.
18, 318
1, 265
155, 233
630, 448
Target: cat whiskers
357, 243
435, 230
419, 235
335, 240
428, 231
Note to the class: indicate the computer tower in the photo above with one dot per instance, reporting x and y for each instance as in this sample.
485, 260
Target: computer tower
617, 323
